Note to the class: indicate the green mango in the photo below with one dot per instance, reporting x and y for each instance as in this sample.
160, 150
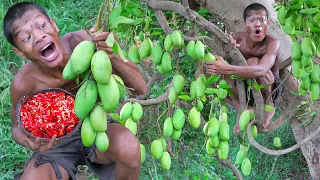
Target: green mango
178, 83
178, 119
145, 48
244, 120
164, 143
193, 88
176, 37
296, 51
142, 153
102, 142
141, 36
134, 55
222, 93
137, 112
165, 161
242, 153
67, 73
277, 142
132, 126
254, 131
121, 86
125, 112
209, 148
306, 60
246, 167
223, 118
166, 62
199, 49
200, 87
176, 134
156, 149
223, 150
98, 119
160, 69
224, 132
194, 118
305, 83
315, 74
101, 67
314, 91
172, 96
81, 56
289, 27
88, 134
209, 57
214, 141
301, 90
125, 52
168, 44
86, 98
168, 127
157, 53
205, 128
109, 95
306, 47
213, 128
296, 66
268, 108
199, 105
191, 49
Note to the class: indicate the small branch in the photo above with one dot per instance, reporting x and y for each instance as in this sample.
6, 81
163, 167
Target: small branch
235, 171
279, 152
285, 63
153, 80
242, 94
281, 84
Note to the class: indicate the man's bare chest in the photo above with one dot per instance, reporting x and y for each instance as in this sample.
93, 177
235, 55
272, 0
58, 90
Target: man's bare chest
255, 52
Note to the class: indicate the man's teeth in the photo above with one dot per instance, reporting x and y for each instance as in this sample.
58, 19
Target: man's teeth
45, 47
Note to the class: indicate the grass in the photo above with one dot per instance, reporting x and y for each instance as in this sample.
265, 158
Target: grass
187, 163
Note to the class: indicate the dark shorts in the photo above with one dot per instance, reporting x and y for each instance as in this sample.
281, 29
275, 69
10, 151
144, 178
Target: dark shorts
71, 153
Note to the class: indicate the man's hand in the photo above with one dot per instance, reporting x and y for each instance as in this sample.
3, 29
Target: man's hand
217, 67
36, 147
233, 41
100, 38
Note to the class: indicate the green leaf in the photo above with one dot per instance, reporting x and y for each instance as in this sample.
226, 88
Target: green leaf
121, 20
117, 50
257, 87
114, 14
304, 102
212, 79
225, 86
135, 11
185, 97
294, 93
110, 40
212, 91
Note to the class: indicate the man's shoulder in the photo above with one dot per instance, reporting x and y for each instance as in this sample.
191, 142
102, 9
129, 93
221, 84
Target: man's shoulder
23, 81
74, 38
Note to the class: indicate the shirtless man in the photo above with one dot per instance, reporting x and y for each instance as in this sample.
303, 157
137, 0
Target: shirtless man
260, 51
34, 36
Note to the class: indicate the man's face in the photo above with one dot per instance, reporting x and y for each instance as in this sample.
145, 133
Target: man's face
37, 39
256, 24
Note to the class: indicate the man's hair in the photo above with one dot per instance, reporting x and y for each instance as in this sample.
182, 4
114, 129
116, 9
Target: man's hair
254, 6
14, 13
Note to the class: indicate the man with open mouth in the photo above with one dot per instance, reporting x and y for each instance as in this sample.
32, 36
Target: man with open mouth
260, 51
34, 36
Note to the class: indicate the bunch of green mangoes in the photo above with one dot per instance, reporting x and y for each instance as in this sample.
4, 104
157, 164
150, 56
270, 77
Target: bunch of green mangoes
131, 113
98, 83
305, 69
241, 159
172, 126
159, 151
136, 54
218, 133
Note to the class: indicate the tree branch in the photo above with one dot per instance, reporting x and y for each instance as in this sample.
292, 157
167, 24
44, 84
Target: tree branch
235, 171
153, 80
259, 102
279, 152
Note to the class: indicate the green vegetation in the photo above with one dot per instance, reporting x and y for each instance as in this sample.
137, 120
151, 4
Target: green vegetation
190, 160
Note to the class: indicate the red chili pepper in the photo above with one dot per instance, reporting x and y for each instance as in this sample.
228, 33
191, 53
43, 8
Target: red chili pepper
49, 113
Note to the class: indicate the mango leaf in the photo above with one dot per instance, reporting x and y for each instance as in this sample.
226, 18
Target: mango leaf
114, 14
203, 99
212, 91
294, 93
212, 79
110, 40
225, 86
134, 11
257, 87
119, 20
185, 97
117, 50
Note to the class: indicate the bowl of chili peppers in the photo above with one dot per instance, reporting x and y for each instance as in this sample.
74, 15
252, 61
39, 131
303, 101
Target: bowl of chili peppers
46, 113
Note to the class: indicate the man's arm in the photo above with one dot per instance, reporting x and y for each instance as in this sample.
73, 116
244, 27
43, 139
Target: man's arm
260, 70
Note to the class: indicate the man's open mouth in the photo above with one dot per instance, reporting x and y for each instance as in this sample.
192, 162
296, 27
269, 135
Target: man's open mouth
48, 52
258, 32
